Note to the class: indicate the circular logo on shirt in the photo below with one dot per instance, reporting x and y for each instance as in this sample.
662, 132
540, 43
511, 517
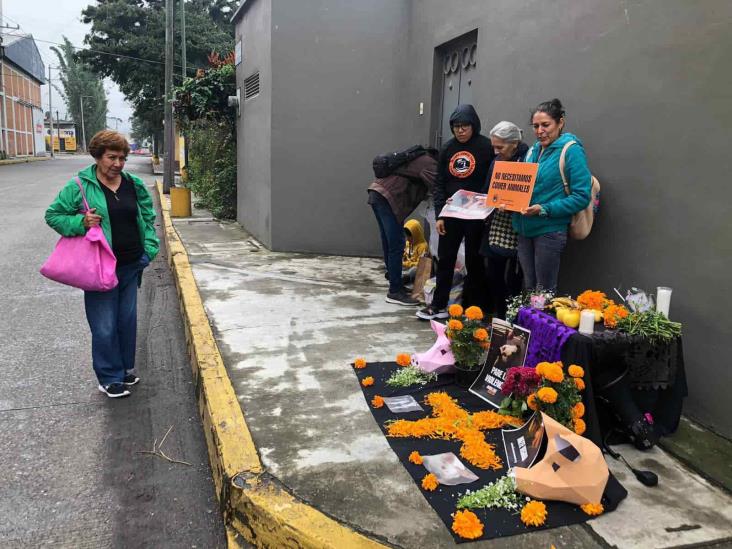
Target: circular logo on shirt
462, 164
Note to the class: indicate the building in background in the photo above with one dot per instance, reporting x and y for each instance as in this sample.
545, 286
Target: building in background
325, 86
64, 135
21, 116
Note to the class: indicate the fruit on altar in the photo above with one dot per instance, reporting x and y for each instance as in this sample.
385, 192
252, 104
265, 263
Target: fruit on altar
598, 315
560, 313
571, 318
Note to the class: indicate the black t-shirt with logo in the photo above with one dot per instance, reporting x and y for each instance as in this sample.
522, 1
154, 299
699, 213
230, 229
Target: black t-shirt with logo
122, 208
462, 166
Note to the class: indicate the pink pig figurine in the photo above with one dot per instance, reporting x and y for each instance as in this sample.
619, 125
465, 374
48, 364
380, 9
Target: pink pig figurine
439, 359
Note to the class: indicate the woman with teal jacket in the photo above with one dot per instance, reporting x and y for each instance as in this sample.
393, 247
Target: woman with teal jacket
120, 203
542, 227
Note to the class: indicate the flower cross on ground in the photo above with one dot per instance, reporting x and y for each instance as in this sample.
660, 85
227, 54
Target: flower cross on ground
451, 422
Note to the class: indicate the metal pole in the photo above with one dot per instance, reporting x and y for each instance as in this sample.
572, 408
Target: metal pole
58, 131
184, 73
50, 112
83, 130
169, 171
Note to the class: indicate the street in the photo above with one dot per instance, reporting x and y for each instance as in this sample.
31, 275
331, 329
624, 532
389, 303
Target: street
73, 473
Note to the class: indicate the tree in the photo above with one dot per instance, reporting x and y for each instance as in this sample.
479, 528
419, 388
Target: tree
79, 83
130, 34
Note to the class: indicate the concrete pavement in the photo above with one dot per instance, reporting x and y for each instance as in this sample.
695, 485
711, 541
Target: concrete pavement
287, 326
72, 475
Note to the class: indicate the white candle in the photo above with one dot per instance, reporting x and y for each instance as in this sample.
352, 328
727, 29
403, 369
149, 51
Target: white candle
587, 322
663, 300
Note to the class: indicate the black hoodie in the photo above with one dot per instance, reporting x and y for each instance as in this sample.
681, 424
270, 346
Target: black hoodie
463, 165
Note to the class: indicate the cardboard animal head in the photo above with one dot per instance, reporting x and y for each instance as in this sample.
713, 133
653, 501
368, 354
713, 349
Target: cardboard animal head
573, 468
439, 359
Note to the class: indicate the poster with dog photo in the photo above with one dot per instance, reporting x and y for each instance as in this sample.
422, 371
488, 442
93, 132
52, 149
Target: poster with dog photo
509, 344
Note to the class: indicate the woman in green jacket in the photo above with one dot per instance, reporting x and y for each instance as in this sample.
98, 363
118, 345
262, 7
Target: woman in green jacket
542, 227
120, 203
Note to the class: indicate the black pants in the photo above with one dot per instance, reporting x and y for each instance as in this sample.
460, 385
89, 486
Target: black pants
474, 289
503, 277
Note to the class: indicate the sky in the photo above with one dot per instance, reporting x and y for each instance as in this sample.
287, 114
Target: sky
51, 20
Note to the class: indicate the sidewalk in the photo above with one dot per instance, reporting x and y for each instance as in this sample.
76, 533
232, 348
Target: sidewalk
288, 325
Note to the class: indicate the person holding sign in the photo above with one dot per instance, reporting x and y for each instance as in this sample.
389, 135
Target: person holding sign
542, 227
463, 164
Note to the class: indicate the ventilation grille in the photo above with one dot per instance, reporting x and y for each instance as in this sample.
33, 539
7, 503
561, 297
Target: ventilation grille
251, 86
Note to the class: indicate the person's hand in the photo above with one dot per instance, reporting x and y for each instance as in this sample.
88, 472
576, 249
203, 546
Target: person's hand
532, 210
501, 208
440, 225
91, 219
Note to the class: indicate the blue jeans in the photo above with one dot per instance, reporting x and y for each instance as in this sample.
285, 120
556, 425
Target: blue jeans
540, 257
112, 318
392, 241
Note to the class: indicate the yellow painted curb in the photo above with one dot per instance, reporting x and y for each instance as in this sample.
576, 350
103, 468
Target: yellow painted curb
255, 506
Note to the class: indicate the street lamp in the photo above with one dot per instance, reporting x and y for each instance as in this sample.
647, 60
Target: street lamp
83, 129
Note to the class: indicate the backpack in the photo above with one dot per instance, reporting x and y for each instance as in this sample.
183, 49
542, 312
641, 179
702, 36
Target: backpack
581, 224
386, 164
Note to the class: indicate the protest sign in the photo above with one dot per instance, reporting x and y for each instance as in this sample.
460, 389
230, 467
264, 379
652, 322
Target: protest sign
522, 445
467, 205
512, 184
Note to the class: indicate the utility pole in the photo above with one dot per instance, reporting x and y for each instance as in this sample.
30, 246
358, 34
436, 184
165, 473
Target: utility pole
50, 113
83, 130
184, 73
169, 169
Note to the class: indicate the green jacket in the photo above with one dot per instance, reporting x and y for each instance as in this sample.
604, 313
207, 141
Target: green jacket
64, 216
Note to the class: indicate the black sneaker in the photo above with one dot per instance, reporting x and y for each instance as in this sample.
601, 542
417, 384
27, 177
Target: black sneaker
401, 298
430, 312
115, 390
130, 380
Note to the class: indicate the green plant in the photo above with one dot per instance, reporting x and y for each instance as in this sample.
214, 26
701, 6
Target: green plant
468, 338
500, 494
651, 325
409, 375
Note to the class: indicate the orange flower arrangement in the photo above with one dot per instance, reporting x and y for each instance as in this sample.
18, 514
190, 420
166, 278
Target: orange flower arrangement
580, 383
454, 324
474, 313
592, 509
455, 310
466, 524
367, 381
593, 299
553, 372
534, 513
576, 371
481, 334
613, 313
359, 363
578, 410
547, 394
377, 401
531, 402
429, 483
580, 426
403, 359
415, 458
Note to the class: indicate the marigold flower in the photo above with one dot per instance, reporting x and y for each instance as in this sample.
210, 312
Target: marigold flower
578, 410
466, 524
415, 458
359, 363
455, 310
580, 426
590, 299
531, 402
454, 324
481, 334
403, 359
429, 483
367, 381
592, 509
553, 372
474, 313
576, 371
377, 402
534, 513
579, 383
547, 394
613, 313
541, 367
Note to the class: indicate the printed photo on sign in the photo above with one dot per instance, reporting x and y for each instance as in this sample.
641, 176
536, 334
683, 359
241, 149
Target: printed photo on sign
466, 205
448, 469
508, 347
402, 404
522, 445
512, 185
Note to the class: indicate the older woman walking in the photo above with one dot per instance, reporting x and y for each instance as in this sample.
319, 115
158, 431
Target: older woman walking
120, 203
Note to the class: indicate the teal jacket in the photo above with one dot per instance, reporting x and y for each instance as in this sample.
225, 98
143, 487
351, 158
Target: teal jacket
64, 216
549, 189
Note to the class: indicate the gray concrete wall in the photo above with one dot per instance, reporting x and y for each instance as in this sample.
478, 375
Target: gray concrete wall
336, 92
254, 131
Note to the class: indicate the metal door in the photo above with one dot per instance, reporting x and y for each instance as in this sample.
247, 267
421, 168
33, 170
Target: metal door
459, 65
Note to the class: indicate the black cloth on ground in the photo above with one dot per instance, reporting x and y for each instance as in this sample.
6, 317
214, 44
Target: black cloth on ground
497, 522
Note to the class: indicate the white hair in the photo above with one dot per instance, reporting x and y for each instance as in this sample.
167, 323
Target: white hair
508, 131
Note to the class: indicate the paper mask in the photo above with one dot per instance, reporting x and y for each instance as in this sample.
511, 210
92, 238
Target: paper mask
573, 469
439, 359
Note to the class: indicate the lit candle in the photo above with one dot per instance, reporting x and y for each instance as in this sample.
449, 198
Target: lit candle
587, 322
663, 300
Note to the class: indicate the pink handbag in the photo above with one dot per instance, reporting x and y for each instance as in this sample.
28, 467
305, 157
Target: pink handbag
86, 262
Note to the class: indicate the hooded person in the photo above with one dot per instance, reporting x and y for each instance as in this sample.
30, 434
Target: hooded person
415, 248
463, 164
